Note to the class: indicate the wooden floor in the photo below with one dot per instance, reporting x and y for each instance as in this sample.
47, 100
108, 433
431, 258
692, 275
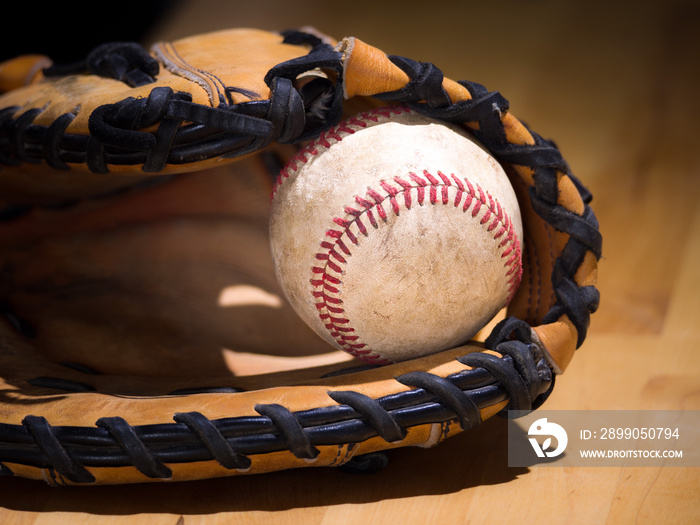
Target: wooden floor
616, 86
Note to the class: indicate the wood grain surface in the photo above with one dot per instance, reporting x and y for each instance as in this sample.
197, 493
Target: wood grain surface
615, 85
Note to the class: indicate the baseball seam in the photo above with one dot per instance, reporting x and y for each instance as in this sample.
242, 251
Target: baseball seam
369, 211
333, 135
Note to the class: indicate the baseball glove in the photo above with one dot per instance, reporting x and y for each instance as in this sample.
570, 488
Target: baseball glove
140, 317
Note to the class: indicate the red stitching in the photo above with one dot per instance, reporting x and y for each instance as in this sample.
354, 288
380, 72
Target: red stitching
336, 133
333, 252
493, 216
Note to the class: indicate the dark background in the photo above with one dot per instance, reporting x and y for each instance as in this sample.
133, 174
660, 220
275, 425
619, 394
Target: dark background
68, 31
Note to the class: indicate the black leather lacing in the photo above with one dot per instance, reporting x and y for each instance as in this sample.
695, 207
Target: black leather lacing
52, 449
125, 61
133, 446
214, 440
449, 395
231, 441
290, 428
186, 132
372, 410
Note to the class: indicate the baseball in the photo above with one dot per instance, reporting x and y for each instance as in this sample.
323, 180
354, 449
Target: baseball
395, 236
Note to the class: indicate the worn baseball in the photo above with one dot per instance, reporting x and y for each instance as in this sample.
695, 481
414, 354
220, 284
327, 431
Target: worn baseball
395, 235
